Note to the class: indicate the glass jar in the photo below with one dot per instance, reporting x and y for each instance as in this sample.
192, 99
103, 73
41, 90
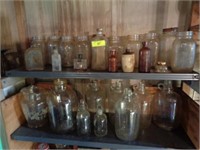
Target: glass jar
134, 45
127, 117
182, 56
51, 45
83, 119
112, 61
100, 123
66, 50
115, 43
153, 44
167, 107
161, 67
94, 96
144, 58
60, 108
33, 103
99, 44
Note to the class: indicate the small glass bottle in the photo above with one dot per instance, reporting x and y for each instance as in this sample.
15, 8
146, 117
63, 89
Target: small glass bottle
127, 116
80, 63
100, 123
128, 61
167, 107
56, 61
99, 46
112, 62
183, 53
83, 119
115, 43
66, 50
52, 44
144, 58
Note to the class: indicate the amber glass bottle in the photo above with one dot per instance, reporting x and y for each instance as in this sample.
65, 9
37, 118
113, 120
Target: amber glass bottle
112, 61
144, 58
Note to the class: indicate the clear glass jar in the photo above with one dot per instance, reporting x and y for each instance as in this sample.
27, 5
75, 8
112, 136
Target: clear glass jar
83, 48
66, 50
33, 103
127, 117
51, 45
60, 108
83, 119
161, 67
99, 44
167, 107
182, 57
94, 96
116, 44
153, 45
100, 123
134, 45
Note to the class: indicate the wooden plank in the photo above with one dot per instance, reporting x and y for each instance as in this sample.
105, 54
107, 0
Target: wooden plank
13, 118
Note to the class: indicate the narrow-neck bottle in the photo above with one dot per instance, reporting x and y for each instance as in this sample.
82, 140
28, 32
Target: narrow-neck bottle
56, 61
112, 61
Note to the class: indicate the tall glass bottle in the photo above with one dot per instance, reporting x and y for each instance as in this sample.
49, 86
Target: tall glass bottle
167, 107
99, 46
144, 58
127, 117
66, 50
83, 119
100, 123
94, 96
56, 60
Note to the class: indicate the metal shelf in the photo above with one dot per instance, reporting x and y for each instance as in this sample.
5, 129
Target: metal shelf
153, 138
69, 73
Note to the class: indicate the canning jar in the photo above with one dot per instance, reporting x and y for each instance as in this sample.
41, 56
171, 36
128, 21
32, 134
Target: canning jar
183, 53
34, 106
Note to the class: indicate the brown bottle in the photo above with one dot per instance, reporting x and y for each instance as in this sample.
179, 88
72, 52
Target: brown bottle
144, 58
112, 61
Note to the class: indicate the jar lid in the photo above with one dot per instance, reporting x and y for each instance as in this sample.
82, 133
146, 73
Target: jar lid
66, 38
54, 37
185, 33
82, 38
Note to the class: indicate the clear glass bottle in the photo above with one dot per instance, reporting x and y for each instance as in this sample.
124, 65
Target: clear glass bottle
60, 108
51, 45
182, 57
100, 123
83, 48
94, 96
99, 44
153, 45
112, 61
80, 63
115, 43
167, 107
66, 50
56, 61
144, 59
127, 117
83, 119
34, 106
134, 45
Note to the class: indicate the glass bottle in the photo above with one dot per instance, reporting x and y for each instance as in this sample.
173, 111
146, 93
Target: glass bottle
56, 61
60, 108
83, 48
94, 96
112, 61
66, 50
34, 106
134, 45
83, 119
128, 61
115, 43
100, 123
167, 107
144, 58
153, 45
51, 45
127, 117
99, 51
145, 101
182, 57
80, 63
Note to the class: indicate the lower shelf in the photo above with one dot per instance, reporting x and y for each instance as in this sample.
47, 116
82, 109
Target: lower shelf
153, 137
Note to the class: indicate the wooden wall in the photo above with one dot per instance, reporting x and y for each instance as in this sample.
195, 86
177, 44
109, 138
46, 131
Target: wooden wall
20, 20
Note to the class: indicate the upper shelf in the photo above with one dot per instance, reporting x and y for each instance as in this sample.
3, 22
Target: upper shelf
70, 73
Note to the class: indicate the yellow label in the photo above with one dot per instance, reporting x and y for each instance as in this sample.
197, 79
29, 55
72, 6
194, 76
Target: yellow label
98, 43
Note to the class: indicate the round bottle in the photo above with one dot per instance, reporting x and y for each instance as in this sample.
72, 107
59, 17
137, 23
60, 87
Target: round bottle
183, 53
